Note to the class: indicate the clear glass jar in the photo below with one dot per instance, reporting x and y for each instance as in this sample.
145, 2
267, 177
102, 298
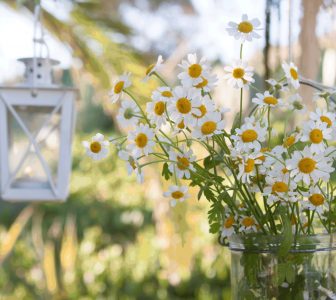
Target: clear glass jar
260, 271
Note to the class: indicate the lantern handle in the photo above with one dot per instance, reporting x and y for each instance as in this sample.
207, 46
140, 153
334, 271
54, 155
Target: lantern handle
38, 41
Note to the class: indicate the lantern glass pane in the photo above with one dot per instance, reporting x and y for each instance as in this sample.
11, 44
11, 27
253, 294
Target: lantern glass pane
25, 158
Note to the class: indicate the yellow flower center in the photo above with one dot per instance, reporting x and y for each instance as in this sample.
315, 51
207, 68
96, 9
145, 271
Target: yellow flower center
181, 125
238, 73
203, 111
150, 68
208, 127
229, 222
202, 84
167, 94
118, 87
183, 105
248, 221
316, 199
307, 165
195, 70
141, 140
249, 165
245, 27
284, 171
177, 194
316, 136
159, 108
294, 73
289, 141
279, 187
249, 135
325, 119
183, 163
271, 100
95, 147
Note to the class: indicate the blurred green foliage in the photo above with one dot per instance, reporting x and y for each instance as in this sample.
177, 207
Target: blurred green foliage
100, 244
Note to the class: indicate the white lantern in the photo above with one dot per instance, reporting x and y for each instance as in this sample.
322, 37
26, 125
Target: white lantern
37, 124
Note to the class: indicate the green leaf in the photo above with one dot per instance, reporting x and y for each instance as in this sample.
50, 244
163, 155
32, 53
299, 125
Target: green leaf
165, 172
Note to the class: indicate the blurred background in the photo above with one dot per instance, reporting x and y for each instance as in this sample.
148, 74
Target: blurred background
114, 238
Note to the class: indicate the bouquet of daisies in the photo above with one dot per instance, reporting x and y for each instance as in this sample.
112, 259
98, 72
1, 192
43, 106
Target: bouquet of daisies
256, 179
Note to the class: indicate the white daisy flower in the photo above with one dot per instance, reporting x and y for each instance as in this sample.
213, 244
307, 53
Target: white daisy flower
267, 100
247, 166
208, 126
248, 224
185, 103
228, 226
154, 68
290, 140
163, 93
324, 116
249, 136
207, 106
177, 193
98, 147
245, 30
295, 103
209, 81
132, 165
276, 85
156, 110
315, 200
279, 190
182, 162
239, 75
292, 75
118, 86
308, 166
128, 114
194, 71
141, 141
316, 133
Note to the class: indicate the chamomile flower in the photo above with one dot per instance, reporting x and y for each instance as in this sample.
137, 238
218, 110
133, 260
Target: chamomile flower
182, 162
229, 223
248, 166
308, 166
239, 75
290, 140
316, 200
194, 71
279, 189
267, 100
132, 165
276, 85
128, 113
154, 68
98, 147
141, 141
118, 86
156, 111
247, 224
292, 75
163, 93
324, 116
207, 106
249, 136
295, 103
177, 193
244, 30
209, 81
316, 133
208, 126
185, 103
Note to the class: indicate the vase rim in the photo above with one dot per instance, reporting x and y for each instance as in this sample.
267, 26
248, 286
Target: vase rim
271, 243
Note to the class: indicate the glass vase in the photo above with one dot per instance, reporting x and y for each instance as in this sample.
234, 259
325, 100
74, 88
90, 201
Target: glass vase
259, 270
